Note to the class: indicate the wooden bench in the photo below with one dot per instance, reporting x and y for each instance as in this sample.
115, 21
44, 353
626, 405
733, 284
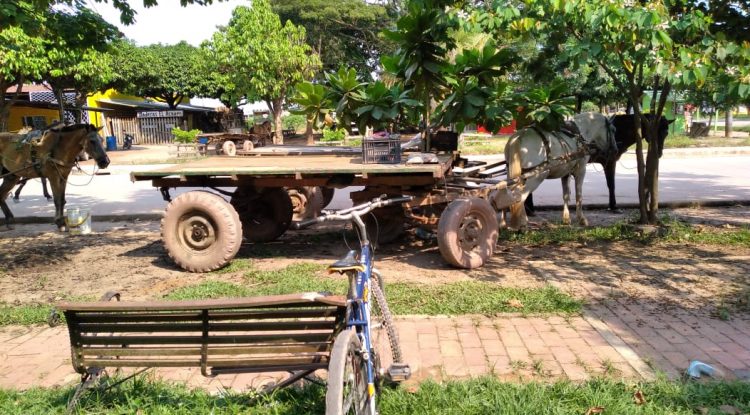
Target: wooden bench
279, 333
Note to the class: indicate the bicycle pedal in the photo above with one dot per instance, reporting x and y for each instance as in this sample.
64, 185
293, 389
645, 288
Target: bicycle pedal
399, 372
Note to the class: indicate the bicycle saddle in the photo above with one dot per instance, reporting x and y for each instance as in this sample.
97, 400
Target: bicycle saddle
347, 263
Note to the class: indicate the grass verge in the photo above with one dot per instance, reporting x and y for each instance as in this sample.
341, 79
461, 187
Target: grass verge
24, 315
478, 396
670, 231
466, 297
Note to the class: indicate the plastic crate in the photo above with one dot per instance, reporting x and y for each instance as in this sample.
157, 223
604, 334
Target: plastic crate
381, 150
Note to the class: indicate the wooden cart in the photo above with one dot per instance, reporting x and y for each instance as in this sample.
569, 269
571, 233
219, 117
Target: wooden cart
456, 198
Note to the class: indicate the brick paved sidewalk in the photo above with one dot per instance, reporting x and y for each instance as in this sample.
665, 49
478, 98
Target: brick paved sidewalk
510, 347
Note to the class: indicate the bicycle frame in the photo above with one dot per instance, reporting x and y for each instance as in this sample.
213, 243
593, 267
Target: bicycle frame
359, 318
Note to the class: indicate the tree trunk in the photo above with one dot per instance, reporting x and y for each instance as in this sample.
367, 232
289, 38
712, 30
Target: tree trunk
728, 123
277, 109
309, 132
60, 95
6, 105
640, 166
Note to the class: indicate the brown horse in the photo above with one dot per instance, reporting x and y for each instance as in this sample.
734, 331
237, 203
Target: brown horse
53, 157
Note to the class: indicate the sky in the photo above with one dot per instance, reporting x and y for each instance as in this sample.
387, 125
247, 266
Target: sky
168, 22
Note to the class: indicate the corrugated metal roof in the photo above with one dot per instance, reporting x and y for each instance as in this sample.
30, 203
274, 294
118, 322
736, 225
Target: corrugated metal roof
150, 105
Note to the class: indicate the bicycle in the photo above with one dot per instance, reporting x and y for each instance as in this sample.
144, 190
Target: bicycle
354, 372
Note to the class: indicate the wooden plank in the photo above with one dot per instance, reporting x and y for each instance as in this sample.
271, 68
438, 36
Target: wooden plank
230, 339
285, 166
111, 317
213, 350
255, 363
140, 327
298, 300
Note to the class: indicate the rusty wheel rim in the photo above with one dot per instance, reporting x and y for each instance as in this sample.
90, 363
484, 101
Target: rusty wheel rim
197, 232
470, 232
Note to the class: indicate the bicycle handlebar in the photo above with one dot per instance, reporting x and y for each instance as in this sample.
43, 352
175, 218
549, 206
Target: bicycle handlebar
348, 214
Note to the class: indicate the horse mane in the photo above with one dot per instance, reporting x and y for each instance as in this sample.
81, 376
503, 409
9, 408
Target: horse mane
73, 127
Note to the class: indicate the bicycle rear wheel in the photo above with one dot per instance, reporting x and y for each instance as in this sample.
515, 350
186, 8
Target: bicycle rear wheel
381, 316
347, 377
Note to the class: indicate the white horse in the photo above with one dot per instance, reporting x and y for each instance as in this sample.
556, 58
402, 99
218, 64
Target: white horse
541, 155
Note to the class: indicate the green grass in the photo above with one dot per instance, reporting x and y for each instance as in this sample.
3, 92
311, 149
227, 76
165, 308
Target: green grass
473, 397
673, 231
24, 315
466, 297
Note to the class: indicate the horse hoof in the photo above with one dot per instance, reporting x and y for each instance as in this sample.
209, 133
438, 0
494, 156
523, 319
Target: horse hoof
615, 210
16, 200
62, 228
49, 198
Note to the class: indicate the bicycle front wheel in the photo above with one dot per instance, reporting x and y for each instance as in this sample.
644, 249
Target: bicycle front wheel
347, 377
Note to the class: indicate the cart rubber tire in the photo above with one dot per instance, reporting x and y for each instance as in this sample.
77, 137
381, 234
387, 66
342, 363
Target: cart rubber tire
307, 202
385, 225
328, 193
383, 313
265, 215
347, 373
467, 232
201, 231
248, 145
229, 148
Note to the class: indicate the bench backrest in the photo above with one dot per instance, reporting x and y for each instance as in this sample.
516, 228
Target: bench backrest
260, 334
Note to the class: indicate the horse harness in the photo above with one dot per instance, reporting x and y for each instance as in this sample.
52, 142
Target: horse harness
32, 139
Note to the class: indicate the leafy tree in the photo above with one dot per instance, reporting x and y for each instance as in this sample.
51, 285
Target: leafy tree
314, 105
22, 57
423, 40
342, 32
76, 47
168, 73
266, 58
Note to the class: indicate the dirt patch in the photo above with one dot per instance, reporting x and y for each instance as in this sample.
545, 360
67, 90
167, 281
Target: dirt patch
41, 265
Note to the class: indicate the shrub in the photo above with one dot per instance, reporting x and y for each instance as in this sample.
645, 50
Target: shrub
333, 135
184, 137
294, 121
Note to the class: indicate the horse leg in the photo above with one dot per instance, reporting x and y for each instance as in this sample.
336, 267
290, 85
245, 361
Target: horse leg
58, 195
578, 176
566, 199
44, 189
609, 174
21, 184
5, 188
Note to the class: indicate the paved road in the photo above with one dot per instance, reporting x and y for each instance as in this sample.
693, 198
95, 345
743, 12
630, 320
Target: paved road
683, 179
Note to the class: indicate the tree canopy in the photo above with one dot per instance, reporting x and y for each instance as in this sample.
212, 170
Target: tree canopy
165, 72
342, 33
262, 57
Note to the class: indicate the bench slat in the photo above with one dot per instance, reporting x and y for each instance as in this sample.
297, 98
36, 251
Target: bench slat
285, 300
219, 339
187, 327
214, 350
114, 317
255, 363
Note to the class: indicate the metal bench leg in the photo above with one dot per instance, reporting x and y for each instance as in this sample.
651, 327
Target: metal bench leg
293, 377
92, 377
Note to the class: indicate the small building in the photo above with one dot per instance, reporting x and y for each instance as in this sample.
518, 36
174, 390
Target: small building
149, 122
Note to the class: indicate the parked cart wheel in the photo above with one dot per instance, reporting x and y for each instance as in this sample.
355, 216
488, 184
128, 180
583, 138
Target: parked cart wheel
307, 202
265, 214
229, 148
467, 232
347, 377
247, 145
386, 224
201, 231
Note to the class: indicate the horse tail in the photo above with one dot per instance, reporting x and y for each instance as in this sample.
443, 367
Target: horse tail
513, 165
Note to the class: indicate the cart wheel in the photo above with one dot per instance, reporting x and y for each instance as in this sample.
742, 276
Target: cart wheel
467, 232
247, 145
385, 225
201, 231
347, 377
307, 202
327, 195
229, 148
265, 215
